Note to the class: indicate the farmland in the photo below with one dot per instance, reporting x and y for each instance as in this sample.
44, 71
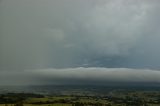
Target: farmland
112, 98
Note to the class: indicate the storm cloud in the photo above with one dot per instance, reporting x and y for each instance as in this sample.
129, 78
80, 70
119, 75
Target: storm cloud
64, 34
80, 75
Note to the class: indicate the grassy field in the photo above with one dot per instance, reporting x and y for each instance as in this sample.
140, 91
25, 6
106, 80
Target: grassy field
115, 98
64, 105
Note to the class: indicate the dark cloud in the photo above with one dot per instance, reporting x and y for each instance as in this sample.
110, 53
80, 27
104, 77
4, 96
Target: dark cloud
78, 33
80, 75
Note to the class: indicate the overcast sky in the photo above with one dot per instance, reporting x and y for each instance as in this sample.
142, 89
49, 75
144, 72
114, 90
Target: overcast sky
77, 39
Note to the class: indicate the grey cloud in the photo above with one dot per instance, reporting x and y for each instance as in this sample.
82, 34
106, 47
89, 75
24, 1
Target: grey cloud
80, 75
79, 33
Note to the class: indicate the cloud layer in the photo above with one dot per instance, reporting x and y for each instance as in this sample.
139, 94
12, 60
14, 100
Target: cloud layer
42, 34
66, 34
81, 75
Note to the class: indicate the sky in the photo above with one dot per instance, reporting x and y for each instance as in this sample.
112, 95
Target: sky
79, 41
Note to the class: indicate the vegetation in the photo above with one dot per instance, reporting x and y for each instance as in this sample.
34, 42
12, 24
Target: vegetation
113, 98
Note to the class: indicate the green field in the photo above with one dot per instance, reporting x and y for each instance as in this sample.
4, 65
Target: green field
114, 98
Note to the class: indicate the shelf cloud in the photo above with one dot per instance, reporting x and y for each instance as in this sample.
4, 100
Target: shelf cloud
81, 75
54, 36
